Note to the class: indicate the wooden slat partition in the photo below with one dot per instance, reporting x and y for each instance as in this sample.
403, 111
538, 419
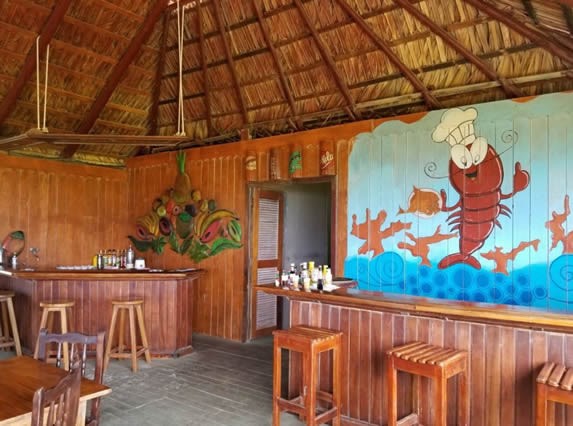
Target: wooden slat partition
167, 309
504, 362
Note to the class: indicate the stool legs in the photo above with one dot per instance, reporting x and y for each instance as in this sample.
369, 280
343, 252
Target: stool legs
440, 401
336, 384
47, 321
133, 310
277, 371
8, 325
463, 415
392, 376
143, 333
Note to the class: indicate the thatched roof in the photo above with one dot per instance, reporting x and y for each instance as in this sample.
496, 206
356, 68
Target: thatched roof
262, 67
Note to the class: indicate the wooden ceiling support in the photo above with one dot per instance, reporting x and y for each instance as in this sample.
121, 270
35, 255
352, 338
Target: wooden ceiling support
154, 110
118, 72
230, 61
431, 101
342, 86
533, 34
510, 89
568, 14
204, 71
46, 34
530, 10
283, 80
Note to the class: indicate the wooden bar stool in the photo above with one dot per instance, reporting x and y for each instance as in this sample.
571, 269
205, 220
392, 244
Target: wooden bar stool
9, 323
310, 342
133, 307
434, 362
554, 384
49, 310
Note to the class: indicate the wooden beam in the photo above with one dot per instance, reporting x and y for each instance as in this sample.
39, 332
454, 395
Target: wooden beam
153, 111
511, 90
533, 34
530, 10
118, 72
331, 64
568, 14
431, 101
46, 34
230, 61
283, 80
205, 71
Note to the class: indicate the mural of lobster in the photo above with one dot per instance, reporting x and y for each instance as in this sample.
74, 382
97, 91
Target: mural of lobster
476, 174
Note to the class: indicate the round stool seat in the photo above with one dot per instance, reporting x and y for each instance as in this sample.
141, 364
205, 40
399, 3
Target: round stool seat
5, 294
127, 302
57, 304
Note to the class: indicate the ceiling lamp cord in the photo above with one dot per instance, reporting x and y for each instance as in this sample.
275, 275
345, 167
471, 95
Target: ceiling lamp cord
43, 128
180, 109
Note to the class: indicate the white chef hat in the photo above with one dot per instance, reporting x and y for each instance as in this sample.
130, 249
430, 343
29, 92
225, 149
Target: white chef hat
456, 127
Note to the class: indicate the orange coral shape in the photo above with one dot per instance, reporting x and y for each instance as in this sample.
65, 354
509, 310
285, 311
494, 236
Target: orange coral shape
370, 231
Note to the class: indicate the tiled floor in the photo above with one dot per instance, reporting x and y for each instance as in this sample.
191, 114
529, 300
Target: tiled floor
221, 383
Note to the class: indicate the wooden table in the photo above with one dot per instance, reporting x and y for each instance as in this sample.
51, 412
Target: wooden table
21, 376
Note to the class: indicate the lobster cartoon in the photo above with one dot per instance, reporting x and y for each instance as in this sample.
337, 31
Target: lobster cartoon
476, 173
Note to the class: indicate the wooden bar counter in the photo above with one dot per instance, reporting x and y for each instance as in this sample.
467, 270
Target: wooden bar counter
167, 296
507, 346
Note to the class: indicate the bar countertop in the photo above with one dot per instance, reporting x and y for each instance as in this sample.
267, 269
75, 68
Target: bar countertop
520, 316
100, 274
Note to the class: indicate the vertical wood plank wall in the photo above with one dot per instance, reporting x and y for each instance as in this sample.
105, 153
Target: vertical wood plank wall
503, 363
68, 211
221, 295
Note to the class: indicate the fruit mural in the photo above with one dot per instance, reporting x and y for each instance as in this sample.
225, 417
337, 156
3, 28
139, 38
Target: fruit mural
468, 203
189, 224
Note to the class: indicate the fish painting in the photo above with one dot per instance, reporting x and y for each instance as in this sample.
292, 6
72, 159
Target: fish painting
423, 202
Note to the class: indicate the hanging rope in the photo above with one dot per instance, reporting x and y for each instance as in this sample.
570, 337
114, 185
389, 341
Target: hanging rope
180, 109
43, 128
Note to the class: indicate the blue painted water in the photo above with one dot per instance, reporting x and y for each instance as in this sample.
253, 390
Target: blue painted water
542, 286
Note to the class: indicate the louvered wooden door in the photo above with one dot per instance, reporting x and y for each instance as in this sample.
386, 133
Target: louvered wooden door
267, 255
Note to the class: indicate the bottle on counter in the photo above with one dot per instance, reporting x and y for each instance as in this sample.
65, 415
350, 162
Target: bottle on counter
14, 261
100, 263
129, 257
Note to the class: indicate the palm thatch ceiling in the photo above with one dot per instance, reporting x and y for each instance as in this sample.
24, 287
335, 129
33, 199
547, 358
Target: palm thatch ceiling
254, 68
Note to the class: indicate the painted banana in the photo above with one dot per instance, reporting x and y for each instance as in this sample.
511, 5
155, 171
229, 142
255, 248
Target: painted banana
216, 215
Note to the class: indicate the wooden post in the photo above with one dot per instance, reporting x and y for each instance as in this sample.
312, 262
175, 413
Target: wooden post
327, 157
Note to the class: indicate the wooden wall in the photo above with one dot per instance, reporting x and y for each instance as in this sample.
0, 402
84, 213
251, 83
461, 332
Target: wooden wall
220, 172
68, 211
503, 363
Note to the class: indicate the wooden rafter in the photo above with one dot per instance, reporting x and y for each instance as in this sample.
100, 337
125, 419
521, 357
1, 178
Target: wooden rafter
331, 64
283, 80
510, 89
46, 34
204, 71
431, 101
118, 72
532, 34
530, 10
230, 61
154, 110
568, 14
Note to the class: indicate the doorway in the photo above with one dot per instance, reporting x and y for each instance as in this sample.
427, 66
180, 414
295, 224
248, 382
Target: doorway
291, 221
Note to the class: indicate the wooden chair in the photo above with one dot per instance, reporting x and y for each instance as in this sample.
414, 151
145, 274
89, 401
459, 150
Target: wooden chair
554, 384
78, 347
59, 404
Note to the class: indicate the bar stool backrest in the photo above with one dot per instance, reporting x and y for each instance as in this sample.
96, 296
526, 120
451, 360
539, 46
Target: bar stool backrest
59, 404
79, 346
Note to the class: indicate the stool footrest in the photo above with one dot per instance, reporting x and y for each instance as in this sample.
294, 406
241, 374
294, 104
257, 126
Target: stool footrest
295, 406
409, 420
